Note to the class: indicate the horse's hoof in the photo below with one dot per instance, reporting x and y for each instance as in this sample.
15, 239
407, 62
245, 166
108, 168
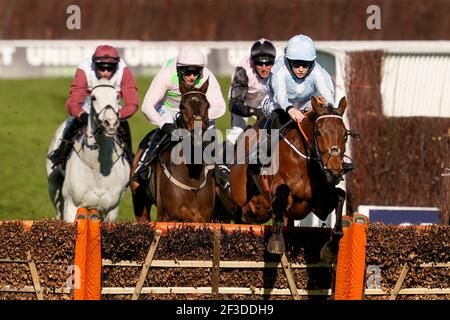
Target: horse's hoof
276, 244
328, 255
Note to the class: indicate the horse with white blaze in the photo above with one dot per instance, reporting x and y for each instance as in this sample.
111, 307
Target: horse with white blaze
96, 170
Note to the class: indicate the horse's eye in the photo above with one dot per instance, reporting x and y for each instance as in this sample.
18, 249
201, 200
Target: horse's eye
93, 98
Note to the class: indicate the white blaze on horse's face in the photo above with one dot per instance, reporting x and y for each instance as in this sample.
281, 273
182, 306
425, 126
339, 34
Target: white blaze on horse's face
106, 106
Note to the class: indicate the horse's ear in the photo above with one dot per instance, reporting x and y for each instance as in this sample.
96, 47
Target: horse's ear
204, 86
183, 87
317, 106
342, 105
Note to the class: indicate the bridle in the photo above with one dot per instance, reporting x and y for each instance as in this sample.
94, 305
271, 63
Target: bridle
179, 121
95, 116
315, 154
206, 168
333, 151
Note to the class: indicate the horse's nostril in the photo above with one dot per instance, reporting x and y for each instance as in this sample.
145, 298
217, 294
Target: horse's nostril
110, 123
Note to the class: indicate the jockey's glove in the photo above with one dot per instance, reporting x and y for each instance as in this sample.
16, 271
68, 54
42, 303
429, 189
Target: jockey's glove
84, 118
169, 128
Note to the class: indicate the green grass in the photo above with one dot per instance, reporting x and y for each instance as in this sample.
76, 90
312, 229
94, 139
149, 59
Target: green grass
30, 112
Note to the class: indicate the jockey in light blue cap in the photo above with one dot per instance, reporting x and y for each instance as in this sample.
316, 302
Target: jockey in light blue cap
295, 78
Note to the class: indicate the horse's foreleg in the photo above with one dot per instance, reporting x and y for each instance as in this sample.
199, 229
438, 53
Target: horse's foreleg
279, 206
141, 204
329, 251
70, 210
112, 215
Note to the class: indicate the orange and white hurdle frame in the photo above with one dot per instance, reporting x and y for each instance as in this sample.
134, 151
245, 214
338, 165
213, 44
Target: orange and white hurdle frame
350, 267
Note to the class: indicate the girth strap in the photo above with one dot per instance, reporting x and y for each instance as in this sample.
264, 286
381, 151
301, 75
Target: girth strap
182, 185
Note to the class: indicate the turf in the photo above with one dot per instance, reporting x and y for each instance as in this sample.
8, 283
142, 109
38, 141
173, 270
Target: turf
30, 112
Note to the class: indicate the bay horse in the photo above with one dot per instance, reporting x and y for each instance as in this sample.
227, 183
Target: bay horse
96, 170
311, 164
183, 191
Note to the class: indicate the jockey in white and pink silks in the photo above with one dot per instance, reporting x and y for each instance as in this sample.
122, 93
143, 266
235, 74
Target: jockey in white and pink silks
248, 86
104, 64
162, 100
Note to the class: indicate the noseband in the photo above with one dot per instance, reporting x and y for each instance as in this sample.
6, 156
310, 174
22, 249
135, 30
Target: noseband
333, 151
196, 117
99, 128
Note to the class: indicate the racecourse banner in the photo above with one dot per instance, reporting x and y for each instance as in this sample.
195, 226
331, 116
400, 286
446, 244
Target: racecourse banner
34, 58
40, 58
400, 77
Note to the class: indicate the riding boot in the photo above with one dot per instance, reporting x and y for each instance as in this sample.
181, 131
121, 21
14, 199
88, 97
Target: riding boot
222, 174
151, 146
222, 170
59, 156
278, 118
124, 135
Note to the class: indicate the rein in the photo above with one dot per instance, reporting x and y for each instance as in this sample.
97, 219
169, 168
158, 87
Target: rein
98, 129
333, 151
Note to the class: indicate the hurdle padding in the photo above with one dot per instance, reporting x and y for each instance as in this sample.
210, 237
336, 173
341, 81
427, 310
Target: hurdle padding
351, 259
30, 238
88, 255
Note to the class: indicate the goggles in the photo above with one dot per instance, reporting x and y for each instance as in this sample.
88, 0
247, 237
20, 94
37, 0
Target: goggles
105, 67
189, 70
264, 60
300, 63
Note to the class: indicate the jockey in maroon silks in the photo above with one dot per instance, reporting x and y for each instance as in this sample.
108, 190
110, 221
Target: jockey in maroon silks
104, 64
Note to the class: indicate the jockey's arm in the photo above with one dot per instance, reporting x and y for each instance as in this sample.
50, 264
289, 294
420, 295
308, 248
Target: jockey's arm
78, 92
217, 105
324, 86
156, 92
129, 94
238, 91
278, 85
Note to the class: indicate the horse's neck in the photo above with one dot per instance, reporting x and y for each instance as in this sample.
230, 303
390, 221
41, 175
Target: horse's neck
191, 170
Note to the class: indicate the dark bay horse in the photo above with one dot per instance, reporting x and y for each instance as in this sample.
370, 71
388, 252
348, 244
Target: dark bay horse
183, 189
310, 165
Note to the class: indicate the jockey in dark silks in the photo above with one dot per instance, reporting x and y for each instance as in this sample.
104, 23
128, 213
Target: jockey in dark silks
248, 86
247, 90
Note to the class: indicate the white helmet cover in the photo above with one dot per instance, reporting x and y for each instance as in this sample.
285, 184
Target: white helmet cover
190, 56
301, 47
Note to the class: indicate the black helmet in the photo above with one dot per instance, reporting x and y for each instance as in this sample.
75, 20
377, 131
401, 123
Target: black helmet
263, 47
